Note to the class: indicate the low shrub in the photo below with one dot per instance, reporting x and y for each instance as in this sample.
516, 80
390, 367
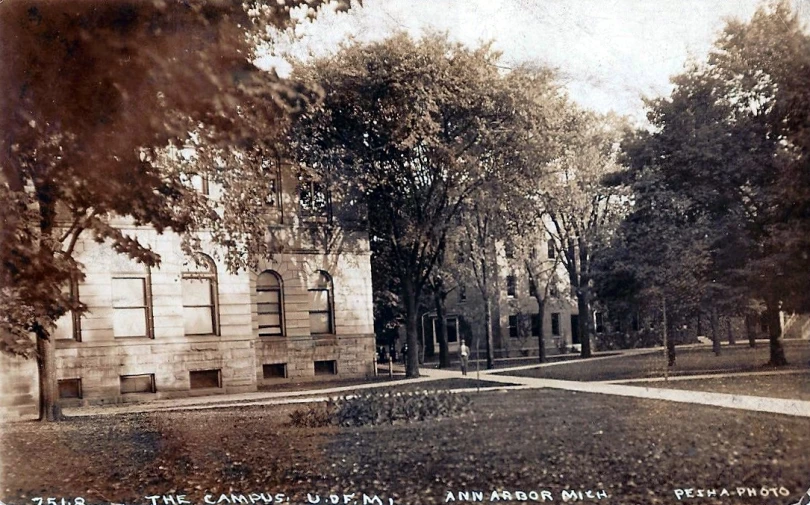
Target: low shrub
313, 416
386, 407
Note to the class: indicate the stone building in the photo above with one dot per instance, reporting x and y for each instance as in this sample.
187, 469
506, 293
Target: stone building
191, 327
515, 310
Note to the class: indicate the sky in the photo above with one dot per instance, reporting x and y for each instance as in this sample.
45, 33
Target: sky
608, 53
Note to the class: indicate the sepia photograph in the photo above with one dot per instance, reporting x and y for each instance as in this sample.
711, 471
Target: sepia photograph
404, 252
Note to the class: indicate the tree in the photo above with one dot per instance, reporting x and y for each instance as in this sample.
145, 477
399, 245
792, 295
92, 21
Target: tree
133, 77
482, 229
442, 283
527, 237
580, 210
659, 256
416, 126
731, 141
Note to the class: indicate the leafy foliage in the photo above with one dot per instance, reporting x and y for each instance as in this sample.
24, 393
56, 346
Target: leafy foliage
133, 78
728, 158
417, 127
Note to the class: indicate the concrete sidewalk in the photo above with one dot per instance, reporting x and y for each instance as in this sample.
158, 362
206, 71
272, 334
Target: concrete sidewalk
799, 408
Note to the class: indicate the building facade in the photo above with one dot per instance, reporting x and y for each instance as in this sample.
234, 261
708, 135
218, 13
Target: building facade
514, 308
190, 327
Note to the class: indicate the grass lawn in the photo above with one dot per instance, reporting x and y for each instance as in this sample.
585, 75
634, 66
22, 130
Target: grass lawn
701, 360
791, 386
637, 451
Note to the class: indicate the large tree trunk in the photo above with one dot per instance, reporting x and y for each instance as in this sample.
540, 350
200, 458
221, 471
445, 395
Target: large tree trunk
411, 330
751, 330
490, 338
441, 327
584, 307
541, 341
730, 332
715, 323
49, 408
773, 318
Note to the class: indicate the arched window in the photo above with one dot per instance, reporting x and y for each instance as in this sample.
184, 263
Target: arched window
321, 311
200, 303
268, 304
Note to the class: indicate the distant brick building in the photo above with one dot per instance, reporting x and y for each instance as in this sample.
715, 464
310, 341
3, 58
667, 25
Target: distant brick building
191, 327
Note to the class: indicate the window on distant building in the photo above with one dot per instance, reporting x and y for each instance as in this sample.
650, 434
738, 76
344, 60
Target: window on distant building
509, 250
599, 318
555, 324
552, 291
552, 252
513, 326
460, 253
511, 286
321, 311
536, 325
269, 296
68, 327
532, 288
200, 309
132, 305
462, 293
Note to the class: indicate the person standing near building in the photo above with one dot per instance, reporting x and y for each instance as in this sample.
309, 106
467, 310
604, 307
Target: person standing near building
464, 353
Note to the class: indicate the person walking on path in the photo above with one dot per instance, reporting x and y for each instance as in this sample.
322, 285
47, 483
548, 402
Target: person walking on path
464, 353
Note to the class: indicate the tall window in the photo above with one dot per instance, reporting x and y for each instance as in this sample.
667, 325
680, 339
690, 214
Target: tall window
511, 286
321, 320
599, 318
460, 255
314, 199
201, 184
68, 327
509, 250
462, 293
513, 326
272, 173
132, 305
535, 325
268, 304
555, 324
200, 310
532, 288
552, 253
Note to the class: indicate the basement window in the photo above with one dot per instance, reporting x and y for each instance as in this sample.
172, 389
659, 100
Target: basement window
204, 379
275, 371
144, 383
326, 367
70, 388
